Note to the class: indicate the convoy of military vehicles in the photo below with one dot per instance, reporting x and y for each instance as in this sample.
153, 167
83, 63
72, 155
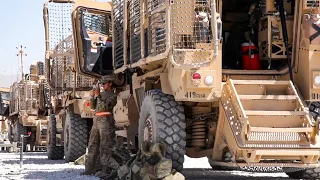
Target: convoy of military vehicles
237, 82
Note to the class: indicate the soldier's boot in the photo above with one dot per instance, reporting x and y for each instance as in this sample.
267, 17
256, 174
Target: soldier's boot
89, 168
89, 171
104, 172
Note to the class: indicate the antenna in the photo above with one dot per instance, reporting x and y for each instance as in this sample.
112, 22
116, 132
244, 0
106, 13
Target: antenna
21, 53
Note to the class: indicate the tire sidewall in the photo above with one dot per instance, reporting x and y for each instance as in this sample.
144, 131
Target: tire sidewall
67, 128
168, 125
50, 141
10, 135
147, 108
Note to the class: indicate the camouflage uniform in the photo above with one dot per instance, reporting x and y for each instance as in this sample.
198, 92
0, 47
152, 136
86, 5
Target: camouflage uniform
102, 137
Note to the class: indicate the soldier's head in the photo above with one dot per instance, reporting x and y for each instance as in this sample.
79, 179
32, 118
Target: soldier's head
107, 82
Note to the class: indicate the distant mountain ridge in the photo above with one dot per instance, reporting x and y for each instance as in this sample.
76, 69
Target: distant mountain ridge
7, 80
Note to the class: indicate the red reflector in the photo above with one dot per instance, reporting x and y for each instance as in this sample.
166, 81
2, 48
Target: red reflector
88, 104
196, 76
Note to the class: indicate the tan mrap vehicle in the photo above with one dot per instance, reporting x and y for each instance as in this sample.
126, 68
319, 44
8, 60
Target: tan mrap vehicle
70, 113
4, 109
27, 113
209, 80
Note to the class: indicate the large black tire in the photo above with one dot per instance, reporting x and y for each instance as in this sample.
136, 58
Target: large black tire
75, 137
32, 141
10, 134
162, 119
20, 129
313, 173
54, 152
314, 108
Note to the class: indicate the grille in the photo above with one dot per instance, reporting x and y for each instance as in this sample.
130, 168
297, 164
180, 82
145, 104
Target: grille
156, 28
98, 23
40, 68
191, 28
276, 136
315, 95
118, 32
135, 41
61, 41
59, 19
31, 97
311, 4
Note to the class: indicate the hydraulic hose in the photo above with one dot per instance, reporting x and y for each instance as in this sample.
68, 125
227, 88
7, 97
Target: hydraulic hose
285, 34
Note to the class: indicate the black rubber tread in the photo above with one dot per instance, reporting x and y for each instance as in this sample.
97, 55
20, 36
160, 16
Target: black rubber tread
168, 122
78, 137
10, 135
20, 130
312, 173
53, 152
32, 140
314, 109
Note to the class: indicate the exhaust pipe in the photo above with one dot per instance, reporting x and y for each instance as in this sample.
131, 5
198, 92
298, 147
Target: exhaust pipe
216, 33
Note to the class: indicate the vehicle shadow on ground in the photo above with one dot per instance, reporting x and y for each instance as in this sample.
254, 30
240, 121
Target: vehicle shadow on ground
65, 174
190, 174
208, 174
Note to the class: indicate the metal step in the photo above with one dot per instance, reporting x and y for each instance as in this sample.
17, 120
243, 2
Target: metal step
267, 118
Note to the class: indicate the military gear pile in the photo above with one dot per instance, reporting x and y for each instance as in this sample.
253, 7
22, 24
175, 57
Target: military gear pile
148, 164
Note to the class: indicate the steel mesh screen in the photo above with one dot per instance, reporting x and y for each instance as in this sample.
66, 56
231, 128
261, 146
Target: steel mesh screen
21, 97
62, 76
191, 28
118, 32
31, 96
100, 23
61, 42
157, 28
135, 36
59, 19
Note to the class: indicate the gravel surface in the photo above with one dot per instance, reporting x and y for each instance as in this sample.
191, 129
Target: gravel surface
36, 166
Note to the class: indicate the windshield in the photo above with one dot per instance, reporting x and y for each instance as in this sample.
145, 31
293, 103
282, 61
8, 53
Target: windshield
5, 96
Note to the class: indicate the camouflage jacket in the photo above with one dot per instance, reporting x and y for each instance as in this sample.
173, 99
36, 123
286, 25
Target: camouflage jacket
104, 102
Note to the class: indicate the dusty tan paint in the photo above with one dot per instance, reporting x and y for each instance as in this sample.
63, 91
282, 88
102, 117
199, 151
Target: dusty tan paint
5, 89
248, 101
25, 104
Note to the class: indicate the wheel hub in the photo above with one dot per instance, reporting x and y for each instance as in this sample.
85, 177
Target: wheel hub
147, 133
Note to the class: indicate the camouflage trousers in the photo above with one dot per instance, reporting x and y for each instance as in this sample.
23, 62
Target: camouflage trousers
101, 142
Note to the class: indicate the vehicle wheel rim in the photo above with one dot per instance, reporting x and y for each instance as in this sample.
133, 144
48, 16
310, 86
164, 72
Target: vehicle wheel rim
147, 132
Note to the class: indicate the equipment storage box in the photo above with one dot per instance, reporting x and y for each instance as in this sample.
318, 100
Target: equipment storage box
271, 45
268, 7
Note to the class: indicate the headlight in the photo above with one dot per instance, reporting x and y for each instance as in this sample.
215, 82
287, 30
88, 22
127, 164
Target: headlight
209, 80
317, 80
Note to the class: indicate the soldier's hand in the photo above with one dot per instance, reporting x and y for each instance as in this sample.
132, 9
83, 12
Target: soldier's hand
97, 92
92, 93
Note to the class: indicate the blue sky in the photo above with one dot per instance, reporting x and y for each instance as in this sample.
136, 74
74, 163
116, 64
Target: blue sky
21, 24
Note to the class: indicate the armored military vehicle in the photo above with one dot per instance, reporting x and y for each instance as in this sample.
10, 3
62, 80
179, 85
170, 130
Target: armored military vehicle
27, 113
234, 81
